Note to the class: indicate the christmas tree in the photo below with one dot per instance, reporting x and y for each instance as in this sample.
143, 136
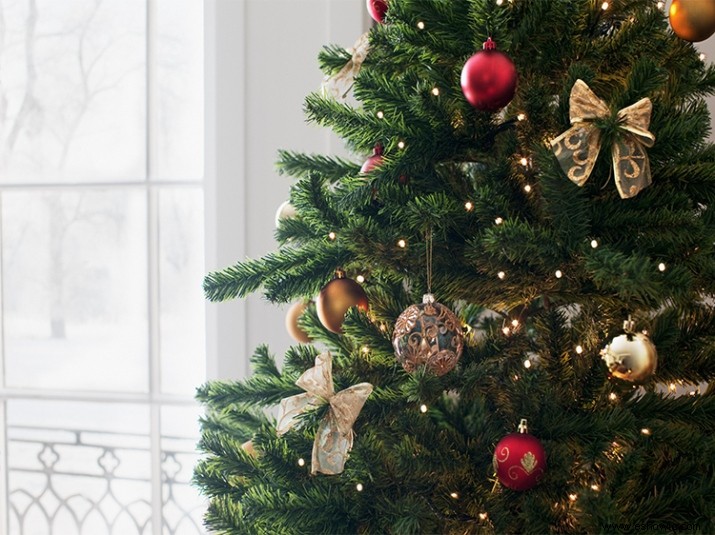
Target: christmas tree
541, 169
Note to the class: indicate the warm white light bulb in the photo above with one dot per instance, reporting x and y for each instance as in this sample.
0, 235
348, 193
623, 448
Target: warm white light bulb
527, 364
595, 487
660, 5
573, 497
594, 243
500, 2
521, 117
401, 243
672, 387
579, 349
604, 6
468, 206
423, 408
661, 267
501, 275
421, 25
613, 396
359, 487
365, 349
400, 144
506, 330
702, 56
482, 516
645, 431
301, 462
558, 274
498, 221
454, 495
380, 115
435, 91
515, 322
523, 161
527, 188
332, 235
360, 279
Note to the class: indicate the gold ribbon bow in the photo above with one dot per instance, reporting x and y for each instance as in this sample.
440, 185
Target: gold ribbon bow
338, 86
577, 148
334, 438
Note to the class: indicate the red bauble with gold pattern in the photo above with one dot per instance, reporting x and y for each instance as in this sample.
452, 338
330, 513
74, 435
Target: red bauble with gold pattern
489, 78
377, 9
336, 298
519, 460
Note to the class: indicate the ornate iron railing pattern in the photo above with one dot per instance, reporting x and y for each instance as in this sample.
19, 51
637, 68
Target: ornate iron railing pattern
72, 481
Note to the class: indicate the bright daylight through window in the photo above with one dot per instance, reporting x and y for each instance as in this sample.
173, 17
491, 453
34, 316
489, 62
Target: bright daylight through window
101, 262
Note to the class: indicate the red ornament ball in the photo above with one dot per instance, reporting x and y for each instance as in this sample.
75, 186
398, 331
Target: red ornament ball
373, 161
377, 9
489, 78
519, 460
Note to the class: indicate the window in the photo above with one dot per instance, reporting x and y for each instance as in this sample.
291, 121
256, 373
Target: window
101, 262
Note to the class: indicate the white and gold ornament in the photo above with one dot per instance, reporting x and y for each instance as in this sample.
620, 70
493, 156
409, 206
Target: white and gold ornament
577, 149
631, 356
334, 438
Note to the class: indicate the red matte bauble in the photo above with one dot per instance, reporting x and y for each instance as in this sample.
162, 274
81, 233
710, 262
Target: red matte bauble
489, 79
377, 9
336, 298
519, 461
373, 161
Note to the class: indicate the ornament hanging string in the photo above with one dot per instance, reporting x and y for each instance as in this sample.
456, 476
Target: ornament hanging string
428, 255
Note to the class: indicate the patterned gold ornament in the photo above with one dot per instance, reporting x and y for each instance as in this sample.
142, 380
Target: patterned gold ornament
339, 85
429, 334
334, 437
631, 356
577, 149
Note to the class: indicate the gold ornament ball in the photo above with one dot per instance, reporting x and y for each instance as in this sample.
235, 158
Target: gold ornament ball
295, 312
631, 357
336, 298
430, 335
285, 211
693, 20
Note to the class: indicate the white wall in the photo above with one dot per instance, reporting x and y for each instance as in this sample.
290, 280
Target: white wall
261, 61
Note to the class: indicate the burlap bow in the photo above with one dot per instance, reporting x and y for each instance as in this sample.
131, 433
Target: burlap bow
334, 438
338, 86
577, 148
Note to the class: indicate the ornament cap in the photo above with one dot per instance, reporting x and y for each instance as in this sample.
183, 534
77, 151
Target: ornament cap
629, 325
489, 44
378, 149
523, 428
428, 299
339, 273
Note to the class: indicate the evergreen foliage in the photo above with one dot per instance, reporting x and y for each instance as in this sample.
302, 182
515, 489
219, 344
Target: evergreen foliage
410, 462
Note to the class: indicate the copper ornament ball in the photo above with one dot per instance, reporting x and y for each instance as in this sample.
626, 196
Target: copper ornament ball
428, 334
692, 20
336, 298
631, 357
295, 312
